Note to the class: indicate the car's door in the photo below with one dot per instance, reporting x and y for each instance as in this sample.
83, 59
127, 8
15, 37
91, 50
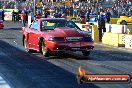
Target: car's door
34, 35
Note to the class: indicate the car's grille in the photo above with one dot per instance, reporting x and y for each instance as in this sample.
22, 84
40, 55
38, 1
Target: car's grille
59, 38
73, 39
87, 39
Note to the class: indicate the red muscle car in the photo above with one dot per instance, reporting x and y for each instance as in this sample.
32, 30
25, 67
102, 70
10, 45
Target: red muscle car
48, 35
1, 24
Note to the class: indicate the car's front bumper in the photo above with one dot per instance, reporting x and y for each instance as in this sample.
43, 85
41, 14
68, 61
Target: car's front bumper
75, 46
89, 48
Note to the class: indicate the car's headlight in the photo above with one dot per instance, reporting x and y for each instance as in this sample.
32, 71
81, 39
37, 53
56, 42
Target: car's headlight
56, 39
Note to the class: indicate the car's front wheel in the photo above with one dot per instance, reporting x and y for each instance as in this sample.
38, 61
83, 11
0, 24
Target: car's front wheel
25, 45
86, 53
44, 50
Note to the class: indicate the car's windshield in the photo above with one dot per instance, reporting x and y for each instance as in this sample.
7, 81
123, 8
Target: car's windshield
52, 24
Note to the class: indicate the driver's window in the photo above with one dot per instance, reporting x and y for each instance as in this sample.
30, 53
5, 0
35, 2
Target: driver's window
35, 26
48, 25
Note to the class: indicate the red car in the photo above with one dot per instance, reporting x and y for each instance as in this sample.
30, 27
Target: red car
1, 24
48, 35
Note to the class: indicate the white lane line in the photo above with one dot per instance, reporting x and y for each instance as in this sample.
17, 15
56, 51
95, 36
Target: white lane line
3, 83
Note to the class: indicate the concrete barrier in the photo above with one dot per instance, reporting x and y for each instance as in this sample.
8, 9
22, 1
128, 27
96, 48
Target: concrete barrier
122, 40
114, 28
128, 42
130, 29
95, 33
116, 39
8, 16
84, 27
110, 38
92, 29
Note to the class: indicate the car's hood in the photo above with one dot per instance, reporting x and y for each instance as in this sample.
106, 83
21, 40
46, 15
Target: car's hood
65, 32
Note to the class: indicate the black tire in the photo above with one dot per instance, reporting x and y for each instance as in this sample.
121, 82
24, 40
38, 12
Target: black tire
44, 50
60, 54
124, 22
86, 53
25, 45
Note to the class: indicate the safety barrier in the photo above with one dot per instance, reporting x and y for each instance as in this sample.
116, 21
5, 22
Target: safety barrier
114, 28
110, 38
115, 35
80, 26
84, 27
116, 39
8, 13
122, 40
128, 42
8, 16
95, 33
93, 29
130, 28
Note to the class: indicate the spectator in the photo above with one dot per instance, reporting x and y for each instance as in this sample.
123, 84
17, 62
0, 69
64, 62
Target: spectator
83, 20
59, 15
56, 15
87, 16
63, 16
108, 15
75, 12
13, 16
23, 18
46, 14
101, 24
38, 15
3, 14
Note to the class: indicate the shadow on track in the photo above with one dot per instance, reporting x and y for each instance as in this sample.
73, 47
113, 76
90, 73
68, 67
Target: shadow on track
9, 25
23, 70
12, 29
65, 55
7, 38
111, 55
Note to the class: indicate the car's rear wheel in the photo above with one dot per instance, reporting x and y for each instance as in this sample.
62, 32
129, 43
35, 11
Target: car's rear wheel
25, 46
124, 22
86, 53
44, 50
